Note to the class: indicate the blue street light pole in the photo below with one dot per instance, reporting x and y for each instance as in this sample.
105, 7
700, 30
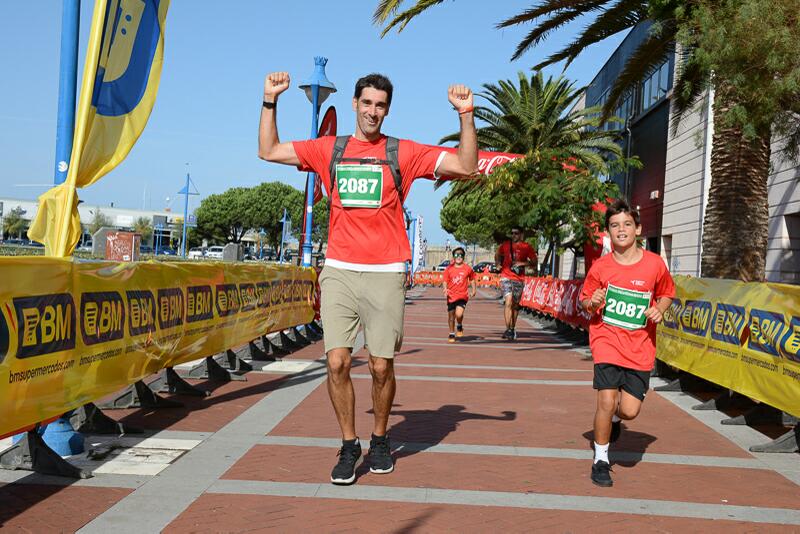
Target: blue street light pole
186, 191
317, 89
285, 219
67, 87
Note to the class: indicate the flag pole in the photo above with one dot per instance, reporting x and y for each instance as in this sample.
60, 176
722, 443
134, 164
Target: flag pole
67, 87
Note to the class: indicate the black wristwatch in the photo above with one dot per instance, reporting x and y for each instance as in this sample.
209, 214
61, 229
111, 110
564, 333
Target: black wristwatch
270, 105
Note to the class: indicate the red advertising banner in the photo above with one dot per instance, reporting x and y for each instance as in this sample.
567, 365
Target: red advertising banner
559, 299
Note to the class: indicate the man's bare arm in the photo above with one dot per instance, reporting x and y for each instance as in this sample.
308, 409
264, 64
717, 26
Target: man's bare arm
270, 147
464, 163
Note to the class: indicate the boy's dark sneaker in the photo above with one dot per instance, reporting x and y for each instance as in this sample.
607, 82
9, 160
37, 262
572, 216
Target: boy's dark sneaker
616, 430
508, 334
345, 471
460, 330
600, 474
513, 333
380, 458
451, 338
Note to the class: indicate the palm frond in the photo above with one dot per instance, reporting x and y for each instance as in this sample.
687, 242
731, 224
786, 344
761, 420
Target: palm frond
649, 55
621, 16
388, 8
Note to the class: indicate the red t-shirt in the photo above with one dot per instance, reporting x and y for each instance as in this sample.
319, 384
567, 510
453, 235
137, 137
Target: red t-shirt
368, 236
522, 252
457, 279
633, 349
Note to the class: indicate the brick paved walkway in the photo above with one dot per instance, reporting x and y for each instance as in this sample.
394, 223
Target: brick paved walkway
488, 436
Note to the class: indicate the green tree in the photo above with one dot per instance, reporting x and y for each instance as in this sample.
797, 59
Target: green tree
745, 49
265, 209
14, 224
225, 217
99, 220
144, 227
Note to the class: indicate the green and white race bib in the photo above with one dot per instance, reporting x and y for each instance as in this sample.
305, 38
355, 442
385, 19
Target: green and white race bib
625, 307
360, 186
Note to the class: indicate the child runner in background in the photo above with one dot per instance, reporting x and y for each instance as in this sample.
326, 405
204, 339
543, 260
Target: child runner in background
627, 293
457, 277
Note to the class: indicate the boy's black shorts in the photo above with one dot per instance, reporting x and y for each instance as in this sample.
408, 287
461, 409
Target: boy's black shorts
451, 306
610, 376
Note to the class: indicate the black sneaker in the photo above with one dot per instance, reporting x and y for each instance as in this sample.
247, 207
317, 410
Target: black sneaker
451, 338
600, 474
460, 330
345, 471
513, 333
616, 430
508, 334
380, 458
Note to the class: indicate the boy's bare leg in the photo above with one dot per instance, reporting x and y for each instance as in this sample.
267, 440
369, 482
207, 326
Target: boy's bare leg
629, 406
607, 400
383, 389
340, 390
451, 320
459, 316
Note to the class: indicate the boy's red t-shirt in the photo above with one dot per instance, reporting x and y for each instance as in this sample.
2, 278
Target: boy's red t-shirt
365, 235
457, 279
633, 349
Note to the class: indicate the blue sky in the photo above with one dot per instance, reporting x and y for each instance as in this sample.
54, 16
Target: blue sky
216, 56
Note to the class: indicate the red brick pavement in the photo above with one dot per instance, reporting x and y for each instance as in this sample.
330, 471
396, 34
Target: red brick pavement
40, 508
214, 513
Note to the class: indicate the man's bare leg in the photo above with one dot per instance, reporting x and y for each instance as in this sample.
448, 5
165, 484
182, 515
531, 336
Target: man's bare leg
340, 390
383, 389
508, 311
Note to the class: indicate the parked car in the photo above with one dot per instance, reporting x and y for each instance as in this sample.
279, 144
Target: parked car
486, 266
167, 252
145, 249
196, 253
442, 266
214, 253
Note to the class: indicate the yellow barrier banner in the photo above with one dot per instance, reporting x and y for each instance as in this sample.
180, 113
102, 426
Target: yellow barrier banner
743, 336
72, 332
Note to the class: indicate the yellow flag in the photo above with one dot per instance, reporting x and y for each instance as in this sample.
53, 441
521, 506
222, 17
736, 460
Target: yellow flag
118, 91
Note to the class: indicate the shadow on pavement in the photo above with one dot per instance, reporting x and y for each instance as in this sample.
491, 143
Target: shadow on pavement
629, 450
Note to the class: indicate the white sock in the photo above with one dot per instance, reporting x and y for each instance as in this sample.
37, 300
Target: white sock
615, 418
600, 452
452, 333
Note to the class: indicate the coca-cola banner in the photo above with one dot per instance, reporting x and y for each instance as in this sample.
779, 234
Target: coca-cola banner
559, 299
487, 161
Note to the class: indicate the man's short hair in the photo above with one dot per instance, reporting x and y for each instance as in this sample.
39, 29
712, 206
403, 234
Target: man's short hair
517, 228
620, 206
376, 81
464, 252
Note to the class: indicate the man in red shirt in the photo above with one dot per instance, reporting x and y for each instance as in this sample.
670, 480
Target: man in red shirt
627, 293
513, 256
455, 283
363, 281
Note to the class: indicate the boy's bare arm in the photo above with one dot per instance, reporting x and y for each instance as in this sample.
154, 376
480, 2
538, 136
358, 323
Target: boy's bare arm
656, 313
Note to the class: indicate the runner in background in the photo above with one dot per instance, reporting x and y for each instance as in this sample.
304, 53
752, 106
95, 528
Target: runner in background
513, 256
455, 283
627, 293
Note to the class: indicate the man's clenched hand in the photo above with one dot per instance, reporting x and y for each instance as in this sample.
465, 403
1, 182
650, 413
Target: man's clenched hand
274, 84
460, 96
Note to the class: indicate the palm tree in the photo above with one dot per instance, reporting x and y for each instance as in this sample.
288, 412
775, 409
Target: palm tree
537, 114
741, 144
536, 117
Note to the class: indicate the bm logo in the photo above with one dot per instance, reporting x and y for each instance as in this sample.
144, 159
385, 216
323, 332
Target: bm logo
102, 317
46, 324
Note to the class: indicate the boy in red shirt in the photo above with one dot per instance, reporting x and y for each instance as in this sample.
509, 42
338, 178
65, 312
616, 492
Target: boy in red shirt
627, 293
455, 282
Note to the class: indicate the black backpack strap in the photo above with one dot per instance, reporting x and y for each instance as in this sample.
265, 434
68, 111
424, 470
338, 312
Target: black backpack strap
338, 152
393, 159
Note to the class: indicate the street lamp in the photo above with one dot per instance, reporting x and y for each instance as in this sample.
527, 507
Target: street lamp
317, 89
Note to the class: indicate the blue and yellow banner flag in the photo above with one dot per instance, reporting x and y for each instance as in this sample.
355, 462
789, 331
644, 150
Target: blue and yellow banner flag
118, 91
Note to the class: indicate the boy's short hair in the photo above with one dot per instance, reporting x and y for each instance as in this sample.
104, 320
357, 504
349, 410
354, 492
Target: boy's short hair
464, 252
376, 81
620, 206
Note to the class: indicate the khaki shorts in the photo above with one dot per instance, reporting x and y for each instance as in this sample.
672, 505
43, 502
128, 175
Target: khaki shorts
376, 301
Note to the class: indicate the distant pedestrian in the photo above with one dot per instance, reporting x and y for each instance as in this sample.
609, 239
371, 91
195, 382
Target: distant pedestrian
456, 282
513, 256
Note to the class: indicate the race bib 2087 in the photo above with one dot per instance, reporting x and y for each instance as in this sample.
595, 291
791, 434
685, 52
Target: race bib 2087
625, 307
360, 186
